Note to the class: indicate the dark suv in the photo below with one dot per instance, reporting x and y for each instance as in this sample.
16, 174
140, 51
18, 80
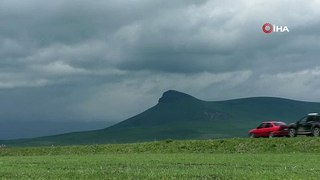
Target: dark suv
308, 125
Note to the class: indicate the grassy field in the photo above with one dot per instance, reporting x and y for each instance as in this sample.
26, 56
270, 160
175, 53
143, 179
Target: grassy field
278, 158
162, 166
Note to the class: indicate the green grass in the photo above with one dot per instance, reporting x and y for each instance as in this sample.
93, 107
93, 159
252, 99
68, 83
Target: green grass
232, 145
162, 166
240, 158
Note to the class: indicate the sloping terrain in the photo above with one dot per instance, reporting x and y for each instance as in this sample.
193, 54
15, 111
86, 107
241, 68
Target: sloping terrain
181, 116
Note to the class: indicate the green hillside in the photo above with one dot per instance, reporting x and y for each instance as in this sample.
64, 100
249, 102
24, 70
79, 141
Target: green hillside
181, 116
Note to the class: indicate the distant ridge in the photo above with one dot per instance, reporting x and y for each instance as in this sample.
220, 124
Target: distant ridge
172, 96
181, 116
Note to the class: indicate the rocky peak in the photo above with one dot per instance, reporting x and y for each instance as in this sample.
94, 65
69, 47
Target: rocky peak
172, 96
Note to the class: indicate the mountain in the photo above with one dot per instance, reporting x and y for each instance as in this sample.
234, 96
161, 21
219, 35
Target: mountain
31, 129
181, 116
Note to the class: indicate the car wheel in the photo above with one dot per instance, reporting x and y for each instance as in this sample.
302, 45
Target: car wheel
271, 135
316, 132
292, 132
251, 135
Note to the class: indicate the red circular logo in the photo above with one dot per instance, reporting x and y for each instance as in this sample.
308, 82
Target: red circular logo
267, 28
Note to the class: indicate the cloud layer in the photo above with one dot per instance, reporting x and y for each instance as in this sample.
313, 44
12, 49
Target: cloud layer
109, 60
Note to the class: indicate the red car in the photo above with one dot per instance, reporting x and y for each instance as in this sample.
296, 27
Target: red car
270, 129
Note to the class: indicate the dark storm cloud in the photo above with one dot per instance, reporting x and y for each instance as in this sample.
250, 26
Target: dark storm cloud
108, 60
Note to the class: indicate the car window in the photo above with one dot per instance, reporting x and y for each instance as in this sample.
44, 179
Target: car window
261, 125
268, 125
279, 123
312, 118
303, 120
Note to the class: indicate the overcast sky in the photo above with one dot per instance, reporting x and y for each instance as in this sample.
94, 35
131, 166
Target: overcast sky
81, 60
